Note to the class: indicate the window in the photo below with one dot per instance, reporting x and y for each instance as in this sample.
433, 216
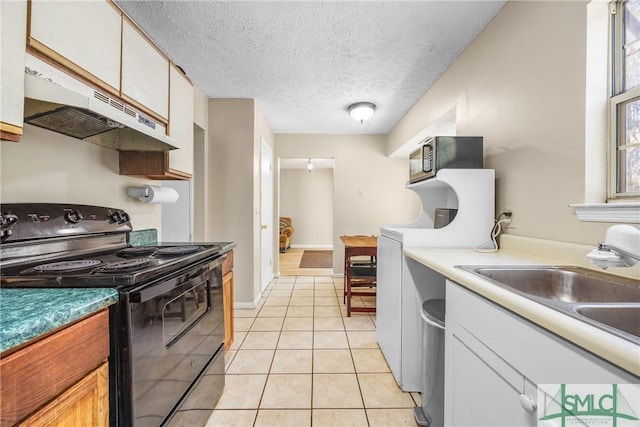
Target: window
624, 147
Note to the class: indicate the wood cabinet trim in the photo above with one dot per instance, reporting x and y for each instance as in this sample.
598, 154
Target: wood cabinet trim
227, 264
25, 387
9, 132
182, 73
229, 329
8, 136
7, 127
178, 174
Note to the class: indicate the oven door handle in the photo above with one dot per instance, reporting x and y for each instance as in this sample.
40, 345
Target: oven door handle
194, 322
154, 290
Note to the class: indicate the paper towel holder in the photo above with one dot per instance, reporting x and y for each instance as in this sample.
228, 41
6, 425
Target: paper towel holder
138, 192
146, 194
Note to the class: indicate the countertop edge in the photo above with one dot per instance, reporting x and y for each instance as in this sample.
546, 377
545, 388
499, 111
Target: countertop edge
618, 351
29, 328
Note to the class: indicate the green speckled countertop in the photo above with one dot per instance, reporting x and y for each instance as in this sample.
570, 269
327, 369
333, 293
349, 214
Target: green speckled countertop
26, 314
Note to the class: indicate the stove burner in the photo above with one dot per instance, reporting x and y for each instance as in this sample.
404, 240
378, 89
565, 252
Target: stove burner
137, 251
177, 250
67, 266
131, 264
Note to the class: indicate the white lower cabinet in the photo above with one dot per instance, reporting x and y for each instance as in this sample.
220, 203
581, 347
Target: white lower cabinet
495, 360
485, 390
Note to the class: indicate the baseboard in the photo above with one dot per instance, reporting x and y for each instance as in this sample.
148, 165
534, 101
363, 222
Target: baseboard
247, 305
312, 246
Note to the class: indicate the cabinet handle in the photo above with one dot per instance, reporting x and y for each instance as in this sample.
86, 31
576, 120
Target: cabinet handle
528, 403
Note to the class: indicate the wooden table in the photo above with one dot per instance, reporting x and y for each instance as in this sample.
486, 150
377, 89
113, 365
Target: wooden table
359, 241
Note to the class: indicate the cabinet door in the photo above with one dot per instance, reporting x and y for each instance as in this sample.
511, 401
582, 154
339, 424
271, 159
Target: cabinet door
484, 391
181, 121
84, 404
145, 73
83, 36
13, 16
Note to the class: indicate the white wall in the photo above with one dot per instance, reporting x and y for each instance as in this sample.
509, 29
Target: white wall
50, 167
521, 84
361, 167
307, 198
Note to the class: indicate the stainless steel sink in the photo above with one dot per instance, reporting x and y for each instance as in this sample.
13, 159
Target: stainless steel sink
607, 301
624, 317
568, 284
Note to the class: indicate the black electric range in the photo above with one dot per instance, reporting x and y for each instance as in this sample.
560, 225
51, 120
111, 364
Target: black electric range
167, 329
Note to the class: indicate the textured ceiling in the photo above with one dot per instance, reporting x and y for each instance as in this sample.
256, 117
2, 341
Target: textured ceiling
306, 61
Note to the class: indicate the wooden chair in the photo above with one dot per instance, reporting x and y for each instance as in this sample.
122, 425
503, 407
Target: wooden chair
360, 273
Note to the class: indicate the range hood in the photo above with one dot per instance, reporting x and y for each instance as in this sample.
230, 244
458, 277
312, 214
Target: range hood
62, 104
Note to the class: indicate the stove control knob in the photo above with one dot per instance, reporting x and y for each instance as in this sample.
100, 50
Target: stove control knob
124, 218
115, 217
74, 216
7, 221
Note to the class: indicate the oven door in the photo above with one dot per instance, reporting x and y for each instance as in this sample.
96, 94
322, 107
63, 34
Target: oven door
176, 328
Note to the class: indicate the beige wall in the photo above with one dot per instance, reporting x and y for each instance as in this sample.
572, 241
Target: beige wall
360, 164
236, 127
50, 167
521, 85
307, 198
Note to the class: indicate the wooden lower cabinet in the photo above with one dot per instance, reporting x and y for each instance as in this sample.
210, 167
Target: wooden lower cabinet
227, 295
84, 404
61, 379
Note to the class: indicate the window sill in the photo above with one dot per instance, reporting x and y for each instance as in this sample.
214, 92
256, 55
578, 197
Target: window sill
624, 212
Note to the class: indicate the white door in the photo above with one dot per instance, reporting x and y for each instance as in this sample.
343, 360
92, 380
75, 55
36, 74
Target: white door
266, 215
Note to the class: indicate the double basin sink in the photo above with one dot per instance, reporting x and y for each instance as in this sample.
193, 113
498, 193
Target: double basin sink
607, 301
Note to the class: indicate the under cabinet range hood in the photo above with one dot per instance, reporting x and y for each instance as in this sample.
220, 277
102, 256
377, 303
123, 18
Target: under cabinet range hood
63, 104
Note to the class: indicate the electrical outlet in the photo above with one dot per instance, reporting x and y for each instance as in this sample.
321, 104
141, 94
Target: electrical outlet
506, 216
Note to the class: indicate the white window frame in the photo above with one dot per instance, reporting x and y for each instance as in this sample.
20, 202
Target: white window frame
596, 205
618, 98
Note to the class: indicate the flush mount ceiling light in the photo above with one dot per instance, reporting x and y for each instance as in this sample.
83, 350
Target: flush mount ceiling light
361, 111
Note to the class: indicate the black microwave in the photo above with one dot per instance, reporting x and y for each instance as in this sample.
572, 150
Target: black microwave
443, 152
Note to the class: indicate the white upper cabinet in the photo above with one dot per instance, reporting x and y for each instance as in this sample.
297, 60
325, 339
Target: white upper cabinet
145, 72
181, 121
84, 36
13, 20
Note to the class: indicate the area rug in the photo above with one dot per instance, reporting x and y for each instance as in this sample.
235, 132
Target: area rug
316, 259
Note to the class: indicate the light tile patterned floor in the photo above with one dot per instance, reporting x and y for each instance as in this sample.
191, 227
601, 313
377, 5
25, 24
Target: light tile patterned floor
297, 360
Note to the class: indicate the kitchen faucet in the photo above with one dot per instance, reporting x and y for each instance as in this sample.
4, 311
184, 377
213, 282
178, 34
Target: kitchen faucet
621, 248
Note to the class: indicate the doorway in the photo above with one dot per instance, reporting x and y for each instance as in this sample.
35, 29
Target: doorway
306, 192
